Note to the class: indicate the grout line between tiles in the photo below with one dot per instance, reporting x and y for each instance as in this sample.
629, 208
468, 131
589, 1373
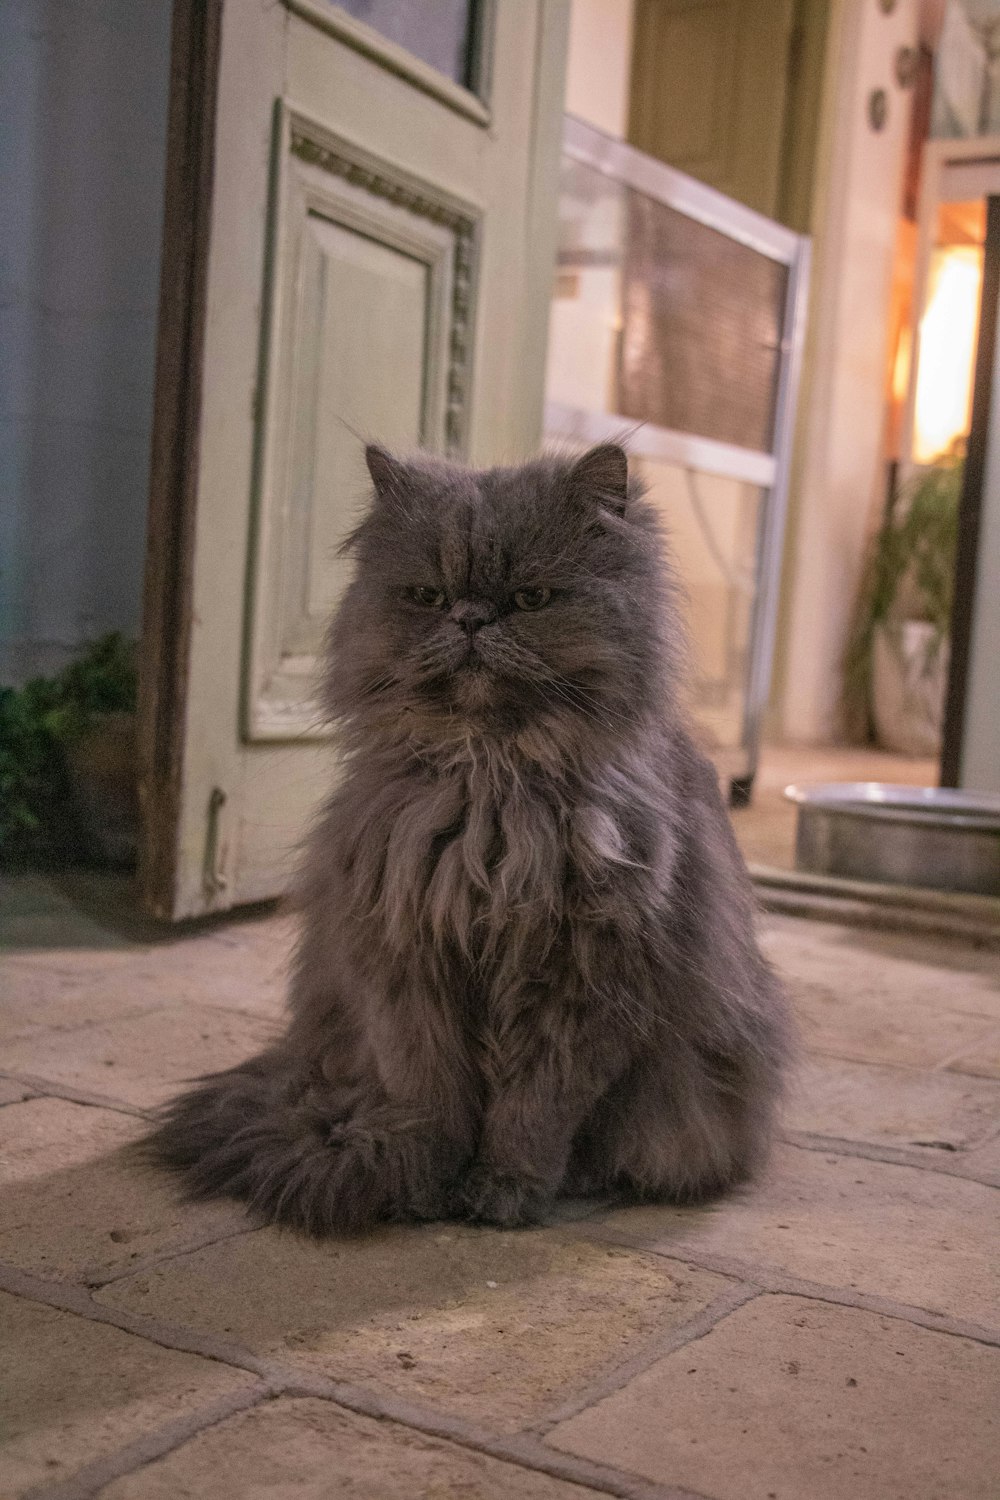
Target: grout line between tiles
898, 1156
157, 1443
96, 1280
525, 1450
78, 1300
772, 1279
654, 1349
49, 1089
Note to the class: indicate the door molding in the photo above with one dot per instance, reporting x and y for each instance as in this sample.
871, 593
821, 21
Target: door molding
325, 185
311, 142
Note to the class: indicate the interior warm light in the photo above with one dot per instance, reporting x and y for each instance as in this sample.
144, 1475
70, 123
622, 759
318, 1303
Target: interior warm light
948, 331
901, 365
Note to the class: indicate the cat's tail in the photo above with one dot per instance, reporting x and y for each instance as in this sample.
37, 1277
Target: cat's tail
260, 1135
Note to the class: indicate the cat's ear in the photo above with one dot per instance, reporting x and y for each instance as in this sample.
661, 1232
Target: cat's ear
388, 473
601, 476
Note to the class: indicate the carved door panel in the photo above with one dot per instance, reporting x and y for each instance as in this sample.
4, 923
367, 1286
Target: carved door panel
378, 199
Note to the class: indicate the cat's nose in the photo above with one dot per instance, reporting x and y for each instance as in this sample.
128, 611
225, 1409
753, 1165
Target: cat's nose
471, 613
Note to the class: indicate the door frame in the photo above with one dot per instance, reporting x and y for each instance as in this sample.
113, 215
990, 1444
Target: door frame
971, 510
949, 166
195, 42
771, 470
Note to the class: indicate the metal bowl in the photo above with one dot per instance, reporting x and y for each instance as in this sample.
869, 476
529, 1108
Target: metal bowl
921, 836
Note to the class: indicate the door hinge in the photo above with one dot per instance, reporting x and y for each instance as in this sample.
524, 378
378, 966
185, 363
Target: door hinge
216, 845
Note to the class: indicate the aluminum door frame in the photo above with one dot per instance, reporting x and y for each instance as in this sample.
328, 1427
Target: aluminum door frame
770, 470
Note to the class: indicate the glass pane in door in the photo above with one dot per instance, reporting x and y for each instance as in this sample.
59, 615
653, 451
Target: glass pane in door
712, 525
660, 318
443, 33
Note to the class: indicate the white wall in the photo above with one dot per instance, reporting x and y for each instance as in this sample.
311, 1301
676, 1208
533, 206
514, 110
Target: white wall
83, 101
838, 478
600, 63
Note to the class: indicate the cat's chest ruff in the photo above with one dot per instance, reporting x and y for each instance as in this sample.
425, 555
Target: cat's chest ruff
475, 854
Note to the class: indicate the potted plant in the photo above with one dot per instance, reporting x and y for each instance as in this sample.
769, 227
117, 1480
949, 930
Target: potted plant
68, 765
897, 665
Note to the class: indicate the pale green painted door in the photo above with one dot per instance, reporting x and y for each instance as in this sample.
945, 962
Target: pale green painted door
381, 250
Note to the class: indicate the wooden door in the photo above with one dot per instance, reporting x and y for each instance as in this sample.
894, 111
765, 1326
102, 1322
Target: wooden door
359, 244
729, 92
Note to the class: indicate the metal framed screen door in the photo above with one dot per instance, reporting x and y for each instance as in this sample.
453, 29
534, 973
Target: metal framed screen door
678, 321
360, 233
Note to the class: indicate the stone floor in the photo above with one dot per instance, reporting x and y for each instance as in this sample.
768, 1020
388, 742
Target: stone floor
832, 1335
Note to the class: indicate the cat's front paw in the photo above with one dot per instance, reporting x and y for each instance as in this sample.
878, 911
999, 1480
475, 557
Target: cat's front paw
489, 1195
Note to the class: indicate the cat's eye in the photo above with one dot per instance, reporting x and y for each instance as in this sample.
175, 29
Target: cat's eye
428, 595
532, 598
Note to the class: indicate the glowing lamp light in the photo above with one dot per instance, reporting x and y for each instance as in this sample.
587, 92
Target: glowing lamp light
948, 331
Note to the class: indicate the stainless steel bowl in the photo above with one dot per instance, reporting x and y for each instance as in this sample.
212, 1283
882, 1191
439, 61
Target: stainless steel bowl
923, 836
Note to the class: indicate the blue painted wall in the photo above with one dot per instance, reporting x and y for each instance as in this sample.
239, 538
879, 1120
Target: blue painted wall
83, 108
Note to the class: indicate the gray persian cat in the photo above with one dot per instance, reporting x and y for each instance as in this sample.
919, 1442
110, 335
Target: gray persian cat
527, 964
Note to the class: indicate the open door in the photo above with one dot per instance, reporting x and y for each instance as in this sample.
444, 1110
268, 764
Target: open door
359, 239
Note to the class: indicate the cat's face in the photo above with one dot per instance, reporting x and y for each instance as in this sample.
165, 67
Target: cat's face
491, 598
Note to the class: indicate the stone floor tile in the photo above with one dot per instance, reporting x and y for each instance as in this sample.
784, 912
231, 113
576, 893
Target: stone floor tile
205, 970
39, 1136
891, 1106
885, 997
960, 975
271, 936
34, 914
789, 1399
499, 1327
36, 999
27, 894
982, 1060
72, 1390
985, 1161
74, 907
314, 1451
76, 1205
70, 962
212, 970
142, 1059
914, 1235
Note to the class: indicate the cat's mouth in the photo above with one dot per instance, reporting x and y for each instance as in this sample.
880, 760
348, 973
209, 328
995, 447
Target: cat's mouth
475, 679
474, 682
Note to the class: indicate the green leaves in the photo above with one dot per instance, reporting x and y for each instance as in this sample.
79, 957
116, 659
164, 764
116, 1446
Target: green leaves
37, 721
910, 573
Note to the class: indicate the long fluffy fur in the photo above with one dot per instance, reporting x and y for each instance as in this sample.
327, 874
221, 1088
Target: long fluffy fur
527, 963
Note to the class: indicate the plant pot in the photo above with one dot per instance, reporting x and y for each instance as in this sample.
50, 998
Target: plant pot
103, 772
909, 681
